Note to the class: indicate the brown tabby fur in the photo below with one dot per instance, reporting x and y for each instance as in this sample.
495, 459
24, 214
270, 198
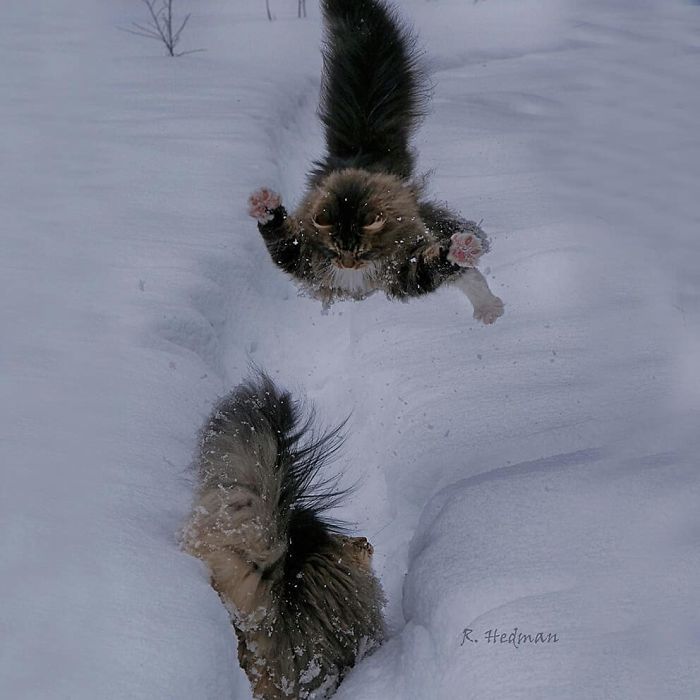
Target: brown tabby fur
389, 199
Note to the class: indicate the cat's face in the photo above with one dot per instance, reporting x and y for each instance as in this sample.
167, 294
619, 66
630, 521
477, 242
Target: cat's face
356, 217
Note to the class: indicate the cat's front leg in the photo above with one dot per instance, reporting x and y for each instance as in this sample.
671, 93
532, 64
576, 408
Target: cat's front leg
265, 206
465, 249
487, 306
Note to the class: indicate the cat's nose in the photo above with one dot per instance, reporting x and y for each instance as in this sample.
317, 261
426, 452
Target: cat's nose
348, 260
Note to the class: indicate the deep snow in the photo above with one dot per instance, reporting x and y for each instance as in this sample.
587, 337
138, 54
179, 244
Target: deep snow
539, 474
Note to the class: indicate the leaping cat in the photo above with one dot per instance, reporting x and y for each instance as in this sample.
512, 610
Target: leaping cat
363, 224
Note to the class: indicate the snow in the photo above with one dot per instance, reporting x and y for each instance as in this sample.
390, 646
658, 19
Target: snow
540, 473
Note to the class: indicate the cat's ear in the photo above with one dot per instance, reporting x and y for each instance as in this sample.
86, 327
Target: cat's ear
376, 226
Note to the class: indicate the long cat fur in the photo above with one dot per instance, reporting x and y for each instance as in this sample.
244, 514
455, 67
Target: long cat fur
301, 593
364, 210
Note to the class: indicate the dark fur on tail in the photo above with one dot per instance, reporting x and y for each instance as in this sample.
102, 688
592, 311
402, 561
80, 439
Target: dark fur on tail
374, 92
302, 595
259, 408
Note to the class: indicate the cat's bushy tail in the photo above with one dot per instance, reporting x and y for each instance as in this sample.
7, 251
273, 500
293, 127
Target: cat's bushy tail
259, 489
374, 92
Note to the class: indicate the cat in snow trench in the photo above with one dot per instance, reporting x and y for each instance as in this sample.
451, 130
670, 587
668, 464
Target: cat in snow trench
363, 224
300, 590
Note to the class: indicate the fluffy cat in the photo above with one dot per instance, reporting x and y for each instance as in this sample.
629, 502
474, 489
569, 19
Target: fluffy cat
363, 224
301, 593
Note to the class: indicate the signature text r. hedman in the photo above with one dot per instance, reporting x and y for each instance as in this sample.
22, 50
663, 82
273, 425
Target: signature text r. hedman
515, 638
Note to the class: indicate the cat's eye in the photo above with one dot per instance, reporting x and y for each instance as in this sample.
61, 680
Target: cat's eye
322, 221
376, 226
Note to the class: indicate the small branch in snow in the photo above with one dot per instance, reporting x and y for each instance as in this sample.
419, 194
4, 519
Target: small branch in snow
161, 26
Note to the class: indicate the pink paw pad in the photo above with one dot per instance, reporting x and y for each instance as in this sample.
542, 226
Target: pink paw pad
465, 249
262, 203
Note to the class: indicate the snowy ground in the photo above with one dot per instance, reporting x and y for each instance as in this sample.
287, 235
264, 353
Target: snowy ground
539, 474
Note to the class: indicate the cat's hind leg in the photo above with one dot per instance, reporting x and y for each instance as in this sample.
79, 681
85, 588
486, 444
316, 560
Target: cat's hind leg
487, 306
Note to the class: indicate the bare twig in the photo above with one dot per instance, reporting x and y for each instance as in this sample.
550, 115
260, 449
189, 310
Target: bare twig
141, 32
267, 7
160, 26
301, 9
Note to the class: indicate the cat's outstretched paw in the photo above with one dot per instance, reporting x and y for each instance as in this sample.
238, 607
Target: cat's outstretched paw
262, 204
488, 311
465, 250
